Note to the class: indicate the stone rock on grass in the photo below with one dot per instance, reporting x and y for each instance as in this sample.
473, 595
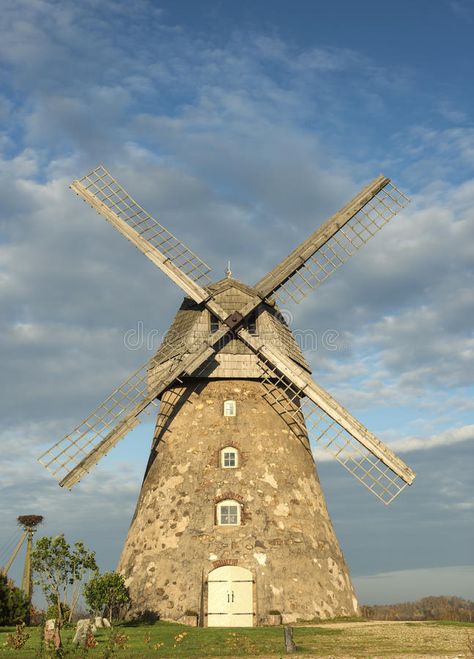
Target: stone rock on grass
52, 633
83, 628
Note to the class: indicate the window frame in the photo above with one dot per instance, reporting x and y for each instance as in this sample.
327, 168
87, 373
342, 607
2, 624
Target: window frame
230, 450
228, 503
234, 408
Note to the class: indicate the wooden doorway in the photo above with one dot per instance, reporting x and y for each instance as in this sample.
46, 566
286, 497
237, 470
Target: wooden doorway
230, 597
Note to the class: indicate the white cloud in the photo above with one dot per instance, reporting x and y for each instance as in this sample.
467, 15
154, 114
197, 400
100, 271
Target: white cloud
446, 438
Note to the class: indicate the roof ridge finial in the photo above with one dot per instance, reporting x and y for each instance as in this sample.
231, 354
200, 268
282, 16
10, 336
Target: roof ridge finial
228, 271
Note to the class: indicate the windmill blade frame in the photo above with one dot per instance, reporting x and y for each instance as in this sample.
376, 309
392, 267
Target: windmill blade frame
305, 418
105, 194
334, 242
94, 437
124, 403
344, 435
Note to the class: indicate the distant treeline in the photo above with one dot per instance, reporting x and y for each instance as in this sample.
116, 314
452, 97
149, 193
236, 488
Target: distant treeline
428, 608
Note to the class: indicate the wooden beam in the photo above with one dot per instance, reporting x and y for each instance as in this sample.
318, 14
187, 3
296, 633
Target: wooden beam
15, 552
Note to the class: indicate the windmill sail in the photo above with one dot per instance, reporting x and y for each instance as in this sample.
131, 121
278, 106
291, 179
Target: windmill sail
332, 244
103, 193
126, 402
72, 457
100, 184
304, 416
292, 392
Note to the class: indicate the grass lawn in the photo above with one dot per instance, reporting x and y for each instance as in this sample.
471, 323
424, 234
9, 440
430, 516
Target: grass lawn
172, 640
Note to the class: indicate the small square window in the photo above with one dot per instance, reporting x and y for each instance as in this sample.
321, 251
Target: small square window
229, 459
229, 408
229, 514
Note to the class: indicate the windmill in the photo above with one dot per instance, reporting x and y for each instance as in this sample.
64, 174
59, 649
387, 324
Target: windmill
231, 522
29, 524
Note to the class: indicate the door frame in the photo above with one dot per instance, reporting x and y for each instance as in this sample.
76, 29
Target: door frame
230, 563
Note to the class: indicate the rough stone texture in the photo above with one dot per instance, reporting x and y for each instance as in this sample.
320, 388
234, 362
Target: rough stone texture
52, 633
83, 628
191, 621
286, 537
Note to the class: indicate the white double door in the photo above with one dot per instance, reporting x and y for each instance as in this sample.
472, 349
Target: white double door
230, 597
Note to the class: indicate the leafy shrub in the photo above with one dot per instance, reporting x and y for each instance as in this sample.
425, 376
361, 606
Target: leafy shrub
18, 639
14, 604
106, 592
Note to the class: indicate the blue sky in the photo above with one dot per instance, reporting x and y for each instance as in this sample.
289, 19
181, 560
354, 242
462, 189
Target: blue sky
242, 126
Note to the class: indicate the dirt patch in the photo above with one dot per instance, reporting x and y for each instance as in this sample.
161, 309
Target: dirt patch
386, 639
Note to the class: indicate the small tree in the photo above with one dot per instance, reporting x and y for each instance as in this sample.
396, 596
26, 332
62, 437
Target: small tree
14, 604
82, 564
106, 592
58, 566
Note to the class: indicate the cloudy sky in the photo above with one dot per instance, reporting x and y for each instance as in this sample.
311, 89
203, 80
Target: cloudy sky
242, 126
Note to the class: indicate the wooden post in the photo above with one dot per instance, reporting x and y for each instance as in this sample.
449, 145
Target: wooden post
289, 642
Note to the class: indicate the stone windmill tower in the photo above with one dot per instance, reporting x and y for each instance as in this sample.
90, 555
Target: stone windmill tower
231, 521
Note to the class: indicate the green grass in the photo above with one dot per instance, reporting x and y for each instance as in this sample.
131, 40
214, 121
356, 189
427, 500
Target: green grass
196, 642
443, 637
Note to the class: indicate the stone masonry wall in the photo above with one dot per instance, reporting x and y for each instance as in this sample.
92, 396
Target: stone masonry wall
286, 537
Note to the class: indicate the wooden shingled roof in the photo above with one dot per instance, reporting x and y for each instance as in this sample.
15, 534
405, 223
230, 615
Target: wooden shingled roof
191, 325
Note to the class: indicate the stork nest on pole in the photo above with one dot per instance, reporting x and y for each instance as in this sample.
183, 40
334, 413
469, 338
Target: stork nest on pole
29, 521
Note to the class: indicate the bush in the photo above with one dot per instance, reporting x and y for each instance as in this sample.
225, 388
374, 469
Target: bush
106, 593
145, 617
14, 604
17, 640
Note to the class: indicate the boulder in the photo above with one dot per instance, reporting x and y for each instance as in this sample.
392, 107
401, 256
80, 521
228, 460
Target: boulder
101, 622
52, 633
190, 620
83, 628
274, 619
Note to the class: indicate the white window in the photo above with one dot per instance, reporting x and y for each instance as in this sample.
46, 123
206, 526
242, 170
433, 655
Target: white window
229, 457
228, 513
229, 408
